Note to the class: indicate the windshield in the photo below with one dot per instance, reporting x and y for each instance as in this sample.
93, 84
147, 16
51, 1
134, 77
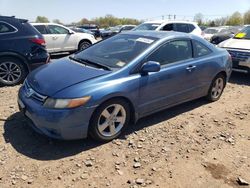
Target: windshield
147, 26
210, 31
116, 52
243, 34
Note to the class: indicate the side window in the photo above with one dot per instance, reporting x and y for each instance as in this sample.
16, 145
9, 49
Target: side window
54, 29
191, 27
182, 27
200, 49
171, 52
42, 29
6, 28
168, 27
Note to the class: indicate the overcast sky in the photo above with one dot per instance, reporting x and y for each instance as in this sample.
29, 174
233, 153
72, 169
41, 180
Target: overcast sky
73, 10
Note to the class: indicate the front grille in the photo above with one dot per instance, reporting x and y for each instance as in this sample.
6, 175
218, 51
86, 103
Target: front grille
29, 92
239, 55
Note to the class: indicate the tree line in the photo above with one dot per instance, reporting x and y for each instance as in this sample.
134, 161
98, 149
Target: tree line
102, 22
109, 20
234, 20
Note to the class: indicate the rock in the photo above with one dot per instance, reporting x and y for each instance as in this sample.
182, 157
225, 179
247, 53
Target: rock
137, 165
120, 172
136, 159
24, 177
30, 181
241, 181
84, 176
13, 182
154, 169
139, 146
88, 163
139, 181
59, 177
148, 182
78, 165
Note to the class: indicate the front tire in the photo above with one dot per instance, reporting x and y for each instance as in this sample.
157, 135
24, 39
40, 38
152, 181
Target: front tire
12, 71
216, 88
109, 120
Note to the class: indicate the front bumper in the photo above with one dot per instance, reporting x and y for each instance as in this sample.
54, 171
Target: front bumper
66, 124
241, 59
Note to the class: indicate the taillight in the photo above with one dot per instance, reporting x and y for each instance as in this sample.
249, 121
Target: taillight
38, 41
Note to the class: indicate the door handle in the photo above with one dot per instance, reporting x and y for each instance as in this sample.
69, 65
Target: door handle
54, 38
190, 68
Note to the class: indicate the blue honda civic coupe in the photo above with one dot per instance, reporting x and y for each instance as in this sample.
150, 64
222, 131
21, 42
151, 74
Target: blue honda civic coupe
110, 85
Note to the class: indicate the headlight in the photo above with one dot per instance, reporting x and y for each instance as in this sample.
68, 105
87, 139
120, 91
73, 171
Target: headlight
66, 103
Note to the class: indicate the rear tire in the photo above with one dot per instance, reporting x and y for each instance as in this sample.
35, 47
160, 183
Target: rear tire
12, 71
83, 45
109, 120
217, 87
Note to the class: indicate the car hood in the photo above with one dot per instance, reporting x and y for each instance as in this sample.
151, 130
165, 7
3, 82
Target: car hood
56, 76
236, 43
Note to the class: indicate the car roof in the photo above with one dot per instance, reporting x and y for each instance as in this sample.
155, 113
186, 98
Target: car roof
158, 34
170, 21
13, 17
33, 23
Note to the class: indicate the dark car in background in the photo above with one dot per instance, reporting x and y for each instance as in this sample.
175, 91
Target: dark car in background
115, 30
225, 34
81, 30
93, 28
22, 49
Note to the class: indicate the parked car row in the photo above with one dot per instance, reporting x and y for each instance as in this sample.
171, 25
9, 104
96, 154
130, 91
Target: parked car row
115, 30
217, 35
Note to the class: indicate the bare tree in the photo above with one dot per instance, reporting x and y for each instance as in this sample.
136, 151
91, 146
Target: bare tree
199, 18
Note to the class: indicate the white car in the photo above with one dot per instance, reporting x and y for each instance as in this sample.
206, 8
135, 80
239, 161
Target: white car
239, 48
211, 31
62, 39
166, 25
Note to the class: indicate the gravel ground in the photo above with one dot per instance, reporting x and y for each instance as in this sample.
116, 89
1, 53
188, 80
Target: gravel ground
197, 144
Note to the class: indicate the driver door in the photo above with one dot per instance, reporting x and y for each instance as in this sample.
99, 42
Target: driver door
174, 83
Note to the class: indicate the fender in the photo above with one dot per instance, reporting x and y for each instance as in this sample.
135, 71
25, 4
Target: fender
16, 55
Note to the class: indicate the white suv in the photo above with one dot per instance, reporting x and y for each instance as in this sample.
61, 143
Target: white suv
62, 39
166, 25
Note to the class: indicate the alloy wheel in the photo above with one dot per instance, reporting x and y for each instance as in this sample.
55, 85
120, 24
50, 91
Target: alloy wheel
10, 72
111, 120
217, 88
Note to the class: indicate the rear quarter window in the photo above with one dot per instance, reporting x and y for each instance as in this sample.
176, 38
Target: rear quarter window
191, 27
200, 49
6, 28
42, 29
182, 27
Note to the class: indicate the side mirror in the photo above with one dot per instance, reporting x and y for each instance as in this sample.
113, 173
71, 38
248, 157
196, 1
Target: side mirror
70, 32
150, 66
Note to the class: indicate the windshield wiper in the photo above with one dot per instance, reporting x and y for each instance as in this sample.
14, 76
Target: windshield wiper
88, 62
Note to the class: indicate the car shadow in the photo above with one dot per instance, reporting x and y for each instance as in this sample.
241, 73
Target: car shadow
240, 78
39, 147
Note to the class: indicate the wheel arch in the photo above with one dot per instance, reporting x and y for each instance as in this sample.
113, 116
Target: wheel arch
83, 40
17, 56
133, 116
